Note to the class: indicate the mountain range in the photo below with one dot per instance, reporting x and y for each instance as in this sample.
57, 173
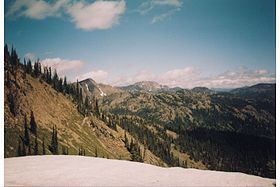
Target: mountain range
144, 122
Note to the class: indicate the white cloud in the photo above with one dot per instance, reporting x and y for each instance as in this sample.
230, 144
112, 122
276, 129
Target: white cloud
36, 9
239, 78
175, 3
88, 16
63, 66
164, 16
98, 76
30, 56
147, 6
98, 15
189, 77
124, 80
171, 5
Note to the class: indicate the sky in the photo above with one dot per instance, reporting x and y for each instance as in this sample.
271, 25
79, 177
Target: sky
186, 43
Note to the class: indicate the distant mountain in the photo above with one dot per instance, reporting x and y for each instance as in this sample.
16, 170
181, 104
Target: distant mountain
202, 90
148, 86
93, 89
211, 128
262, 88
222, 89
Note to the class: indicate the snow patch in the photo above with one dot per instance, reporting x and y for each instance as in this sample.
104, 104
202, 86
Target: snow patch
101, 92
62, 170
87, 87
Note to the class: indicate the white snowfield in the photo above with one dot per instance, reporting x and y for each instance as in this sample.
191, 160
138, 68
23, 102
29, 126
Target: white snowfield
89, 171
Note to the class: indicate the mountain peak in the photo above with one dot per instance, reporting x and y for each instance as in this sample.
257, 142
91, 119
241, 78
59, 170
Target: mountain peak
150, 86
88, 80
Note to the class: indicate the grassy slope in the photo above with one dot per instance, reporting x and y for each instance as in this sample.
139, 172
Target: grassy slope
52, 108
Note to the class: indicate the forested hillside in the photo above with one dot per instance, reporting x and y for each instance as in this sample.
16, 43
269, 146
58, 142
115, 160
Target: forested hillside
145, 122
230, 131
45, 114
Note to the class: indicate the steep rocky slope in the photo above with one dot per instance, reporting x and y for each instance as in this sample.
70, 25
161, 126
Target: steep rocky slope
24, 93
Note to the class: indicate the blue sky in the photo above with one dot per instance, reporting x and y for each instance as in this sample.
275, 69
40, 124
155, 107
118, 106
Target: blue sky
213, 43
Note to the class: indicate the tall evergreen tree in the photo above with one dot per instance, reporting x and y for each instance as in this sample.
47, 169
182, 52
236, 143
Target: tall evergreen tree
43, 146
11, 101
55, 80
14, 57
23, 151
19, 151
50, 75
29, 150
54, 142
6, 53
96, 153
36, 152
33, 125
29, 67
65, 86
26, 133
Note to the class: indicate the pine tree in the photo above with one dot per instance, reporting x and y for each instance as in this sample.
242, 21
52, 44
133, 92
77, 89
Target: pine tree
14, 57
26, 133
65, 86
29, 67
55, 80
96, 153
50, 75
29, 150
6, 53
60, 85
19, 151
11, 101
54, 142
33, 125
36, 152
23, 151
43, 146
